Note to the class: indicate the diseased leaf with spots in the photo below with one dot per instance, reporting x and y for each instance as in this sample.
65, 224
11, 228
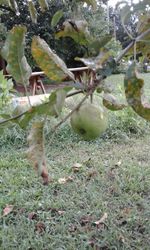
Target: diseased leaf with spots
143, 25
36, 151
110, 102
52, 65
134, 93
13, 53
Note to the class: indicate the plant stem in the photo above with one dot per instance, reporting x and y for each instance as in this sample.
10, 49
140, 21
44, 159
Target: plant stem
74, 93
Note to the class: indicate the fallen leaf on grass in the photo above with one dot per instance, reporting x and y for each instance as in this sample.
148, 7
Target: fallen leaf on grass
65, 180
7, 210
40, 227
102, 220
32, 216
76, 167
126, 211
118, 163
61, 212
72, 228
92, 174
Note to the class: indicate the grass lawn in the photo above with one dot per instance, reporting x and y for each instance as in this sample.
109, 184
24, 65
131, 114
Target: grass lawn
104, 204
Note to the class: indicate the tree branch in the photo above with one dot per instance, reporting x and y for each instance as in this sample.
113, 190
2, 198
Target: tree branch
137, 39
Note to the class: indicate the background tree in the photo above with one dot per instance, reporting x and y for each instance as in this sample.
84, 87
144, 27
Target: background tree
65, 47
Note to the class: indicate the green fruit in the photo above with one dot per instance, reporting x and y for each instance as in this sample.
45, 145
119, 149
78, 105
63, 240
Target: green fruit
89, 121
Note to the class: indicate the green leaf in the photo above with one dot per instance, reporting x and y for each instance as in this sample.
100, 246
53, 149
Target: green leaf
33, 12
43, 4
57, 16
13, 53
110, 102
14, 6
52, 65
36, 151
134, 93
77, 30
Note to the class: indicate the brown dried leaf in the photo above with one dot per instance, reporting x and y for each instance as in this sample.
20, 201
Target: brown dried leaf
76, 167
84, 220
61, 212
32, 216
40, 227
7, 210
92, 174
65, 180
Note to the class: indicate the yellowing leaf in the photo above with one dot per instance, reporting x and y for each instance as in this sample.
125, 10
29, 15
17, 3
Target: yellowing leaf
36, 151
52, 65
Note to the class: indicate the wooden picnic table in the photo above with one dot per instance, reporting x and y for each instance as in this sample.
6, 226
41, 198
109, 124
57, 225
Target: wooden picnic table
36, 81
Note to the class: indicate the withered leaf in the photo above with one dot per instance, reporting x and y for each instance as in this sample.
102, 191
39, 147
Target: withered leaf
40, 227
7, 210
102, 220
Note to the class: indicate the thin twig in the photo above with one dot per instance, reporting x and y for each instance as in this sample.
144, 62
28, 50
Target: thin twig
15, 117
75, 93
